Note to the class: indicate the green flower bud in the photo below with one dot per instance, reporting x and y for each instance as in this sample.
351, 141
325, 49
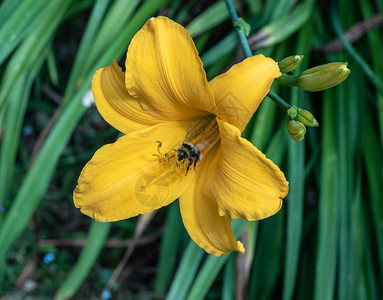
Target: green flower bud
290, 63
306, 117
297, 130
292, 112
322, 77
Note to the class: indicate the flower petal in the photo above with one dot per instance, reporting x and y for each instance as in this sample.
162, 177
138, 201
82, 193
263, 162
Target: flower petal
239, 91
164, 71
113, 101
205, 226
124, 179
246, 184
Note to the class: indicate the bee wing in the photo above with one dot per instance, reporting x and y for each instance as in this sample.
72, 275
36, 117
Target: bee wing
188, 133
198, 129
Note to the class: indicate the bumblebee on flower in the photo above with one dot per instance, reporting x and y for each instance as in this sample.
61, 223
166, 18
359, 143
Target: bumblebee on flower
164, 96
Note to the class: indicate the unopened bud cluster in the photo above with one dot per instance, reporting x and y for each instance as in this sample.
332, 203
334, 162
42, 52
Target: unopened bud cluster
315, 79
298, 120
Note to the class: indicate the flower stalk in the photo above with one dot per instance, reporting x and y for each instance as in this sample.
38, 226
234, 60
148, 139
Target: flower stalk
247, 51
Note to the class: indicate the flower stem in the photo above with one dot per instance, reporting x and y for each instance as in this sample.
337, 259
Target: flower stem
241, 35
247, 51
278, 100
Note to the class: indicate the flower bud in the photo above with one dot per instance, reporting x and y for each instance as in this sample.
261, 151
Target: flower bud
322, 77
292, 112
290, 63
297, 130
306, 117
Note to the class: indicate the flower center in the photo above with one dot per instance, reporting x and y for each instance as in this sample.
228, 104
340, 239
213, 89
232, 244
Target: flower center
199, 140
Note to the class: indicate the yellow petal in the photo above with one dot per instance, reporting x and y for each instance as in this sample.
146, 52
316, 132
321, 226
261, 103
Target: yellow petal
113, 101
164, 71
124, 179
205, 226
245, 183
239, 91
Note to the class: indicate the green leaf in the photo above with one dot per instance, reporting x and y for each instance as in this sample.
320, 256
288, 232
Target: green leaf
98, 233
241, 24
208, 19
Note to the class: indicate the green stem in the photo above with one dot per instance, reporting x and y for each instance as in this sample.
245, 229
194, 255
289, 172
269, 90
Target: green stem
247, 51
278, 100
241, 35
350, 49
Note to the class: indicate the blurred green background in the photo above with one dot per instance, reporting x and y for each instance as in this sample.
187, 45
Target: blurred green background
325, 243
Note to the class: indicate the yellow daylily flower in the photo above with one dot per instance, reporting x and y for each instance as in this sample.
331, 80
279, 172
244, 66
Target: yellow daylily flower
176, 121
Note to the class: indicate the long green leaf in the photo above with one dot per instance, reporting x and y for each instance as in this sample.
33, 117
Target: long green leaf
211, 17
84, 49
30, 50
97, 235
169, 247
328, 209
21, 23
295, 200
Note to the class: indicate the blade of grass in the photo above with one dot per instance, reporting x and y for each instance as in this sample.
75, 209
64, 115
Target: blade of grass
351, 50
52, 68
20, 23
185, 272
275, 9
244, 262
87, 41
211, 267
7, 7
223, 47
169, 247
228, 287
371, 277
281, 9
115, 21
208, 19
30, 50
359, 286
373, 162
295, 202
12, 131
326, 259
376, 48
345, 249
97, 235
282, 28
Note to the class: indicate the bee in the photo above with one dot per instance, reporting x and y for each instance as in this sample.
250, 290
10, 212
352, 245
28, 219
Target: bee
190, 153
199, 140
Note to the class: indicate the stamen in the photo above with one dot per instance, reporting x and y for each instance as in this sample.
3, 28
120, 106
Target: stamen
158, 147
170, 161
